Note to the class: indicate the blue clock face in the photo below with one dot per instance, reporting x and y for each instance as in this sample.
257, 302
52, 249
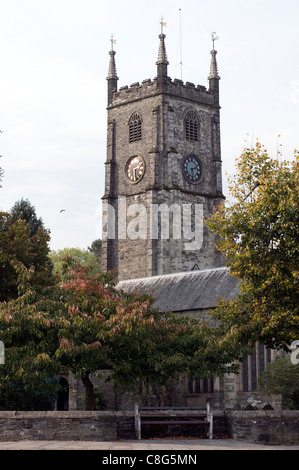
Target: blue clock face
192, 169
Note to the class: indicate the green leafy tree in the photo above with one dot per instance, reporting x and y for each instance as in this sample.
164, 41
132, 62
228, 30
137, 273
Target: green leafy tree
18, 245
157, 348
23, 210
15, 396
96, 249
29, 328
282, 378
70, 258
259, 235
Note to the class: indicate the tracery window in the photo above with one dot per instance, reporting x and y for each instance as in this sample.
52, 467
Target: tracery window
191, 126
135, 128
201, 385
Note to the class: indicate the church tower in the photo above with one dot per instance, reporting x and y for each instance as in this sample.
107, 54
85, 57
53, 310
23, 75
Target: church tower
163, 173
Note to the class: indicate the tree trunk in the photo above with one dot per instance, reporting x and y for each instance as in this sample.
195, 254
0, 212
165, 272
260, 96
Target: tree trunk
90, 399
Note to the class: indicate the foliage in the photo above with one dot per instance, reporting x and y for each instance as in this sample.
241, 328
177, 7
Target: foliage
100, 399
16, 397
282, 377
23, 210
160, 346
29, 328
86, 325
96, 249
88, 302
259, 235
108, 329
23, 242
68, 258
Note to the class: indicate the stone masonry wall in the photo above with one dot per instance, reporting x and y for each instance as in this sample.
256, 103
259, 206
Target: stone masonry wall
163, 147
66, 425
263, 427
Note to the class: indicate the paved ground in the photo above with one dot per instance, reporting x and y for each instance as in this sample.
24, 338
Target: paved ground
158, 445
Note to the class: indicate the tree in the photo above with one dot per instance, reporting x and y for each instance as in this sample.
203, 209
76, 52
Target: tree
71, 258
96, 249
23, 210
282, 377
88, 302
109, 330
18, 245
16, 396
156, 348
85, 325
259, 235
29, 328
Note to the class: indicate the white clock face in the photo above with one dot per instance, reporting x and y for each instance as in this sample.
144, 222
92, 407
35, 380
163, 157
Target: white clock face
192, 169
135, 169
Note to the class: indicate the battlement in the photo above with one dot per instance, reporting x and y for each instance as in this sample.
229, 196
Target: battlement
147, 88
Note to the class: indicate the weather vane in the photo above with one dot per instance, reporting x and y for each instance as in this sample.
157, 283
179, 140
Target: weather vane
214, 38
162, 23
113, 41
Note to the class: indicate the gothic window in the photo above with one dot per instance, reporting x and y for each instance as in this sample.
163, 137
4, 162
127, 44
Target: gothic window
253, 366
201, 385
135, 127
191, 126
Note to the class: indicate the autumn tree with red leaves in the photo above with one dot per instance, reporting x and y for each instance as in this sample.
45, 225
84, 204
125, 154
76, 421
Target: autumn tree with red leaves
123, 334
86, 326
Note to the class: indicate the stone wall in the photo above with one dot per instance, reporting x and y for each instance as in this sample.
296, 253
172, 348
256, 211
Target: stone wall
66, 425
263, 427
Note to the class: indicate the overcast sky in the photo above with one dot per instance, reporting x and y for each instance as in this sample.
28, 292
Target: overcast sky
54, 64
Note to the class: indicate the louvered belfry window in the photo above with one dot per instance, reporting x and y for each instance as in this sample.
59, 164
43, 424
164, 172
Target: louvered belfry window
191, 127
135, 128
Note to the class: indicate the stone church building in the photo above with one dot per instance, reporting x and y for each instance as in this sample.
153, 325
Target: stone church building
162, 177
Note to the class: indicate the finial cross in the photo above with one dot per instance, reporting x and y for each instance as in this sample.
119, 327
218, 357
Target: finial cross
162, 23
214, 38
113, 41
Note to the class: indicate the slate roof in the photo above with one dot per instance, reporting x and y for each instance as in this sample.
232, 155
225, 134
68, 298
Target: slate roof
185, 291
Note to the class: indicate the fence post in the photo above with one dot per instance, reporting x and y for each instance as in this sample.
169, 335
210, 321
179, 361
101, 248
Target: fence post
137, 422
210, 420
2, 354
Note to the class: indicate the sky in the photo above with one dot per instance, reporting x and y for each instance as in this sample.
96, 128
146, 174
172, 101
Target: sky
54, 61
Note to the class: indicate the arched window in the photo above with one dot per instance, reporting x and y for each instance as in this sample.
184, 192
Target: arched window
191, 126
135, 127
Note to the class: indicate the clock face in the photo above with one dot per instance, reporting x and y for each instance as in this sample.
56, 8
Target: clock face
192, 169
135, 169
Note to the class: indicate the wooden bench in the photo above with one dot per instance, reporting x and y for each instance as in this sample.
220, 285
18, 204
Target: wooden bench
173, 416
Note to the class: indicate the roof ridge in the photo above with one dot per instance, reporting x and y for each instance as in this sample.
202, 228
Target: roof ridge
182, 273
